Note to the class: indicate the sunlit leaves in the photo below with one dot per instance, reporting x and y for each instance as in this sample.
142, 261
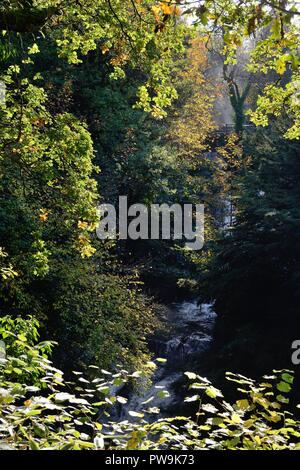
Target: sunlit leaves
277, 50
136, 414
59, 419
192, 398
270, 104
191, 375
59, 153
213, 392
242, 404
284, 387
141, 34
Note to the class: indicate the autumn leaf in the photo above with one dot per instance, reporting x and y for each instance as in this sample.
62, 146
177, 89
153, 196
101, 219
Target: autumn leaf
166, 9
280, 65
156, 11
39, 122
104, 49
82, 224
119, 59
43, 215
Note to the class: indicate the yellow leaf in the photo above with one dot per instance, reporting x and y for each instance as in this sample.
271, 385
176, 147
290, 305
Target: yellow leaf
105, 49
249, 423
43, 215
167, 9
242, 404
82, 225
235, 418
156, 11
280, 66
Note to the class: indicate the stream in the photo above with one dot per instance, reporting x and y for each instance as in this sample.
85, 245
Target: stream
189, 336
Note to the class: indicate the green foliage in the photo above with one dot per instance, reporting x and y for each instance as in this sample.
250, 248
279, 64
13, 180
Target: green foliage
141, 35
28, 357
275, 29
99, 317
257, 421
90, 86
48, 213
261, 251
280, 53
6, 269
46, 185
76, 416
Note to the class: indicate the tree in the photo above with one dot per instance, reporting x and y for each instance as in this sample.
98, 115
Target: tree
237, 97
254, 273
41, 411
48, 214
142, 35
192, 119
279, 51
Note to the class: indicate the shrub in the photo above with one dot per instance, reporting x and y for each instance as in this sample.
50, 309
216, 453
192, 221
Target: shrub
40, 410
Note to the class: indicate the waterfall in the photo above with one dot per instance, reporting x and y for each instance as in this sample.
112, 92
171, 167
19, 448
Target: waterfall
190, 335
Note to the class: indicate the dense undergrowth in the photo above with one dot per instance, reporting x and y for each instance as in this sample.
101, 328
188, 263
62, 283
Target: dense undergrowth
41, 410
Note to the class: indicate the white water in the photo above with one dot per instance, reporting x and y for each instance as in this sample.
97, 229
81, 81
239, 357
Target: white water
189, 337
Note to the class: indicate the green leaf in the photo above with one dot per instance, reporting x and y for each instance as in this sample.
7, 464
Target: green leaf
62, 397
33, 445
104, 390
288, 378
33, 412
22, 337
122, 400
118, 381
213, 392
242, 404
284, 387
282, 399
34, 49
217, 421
163, 394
